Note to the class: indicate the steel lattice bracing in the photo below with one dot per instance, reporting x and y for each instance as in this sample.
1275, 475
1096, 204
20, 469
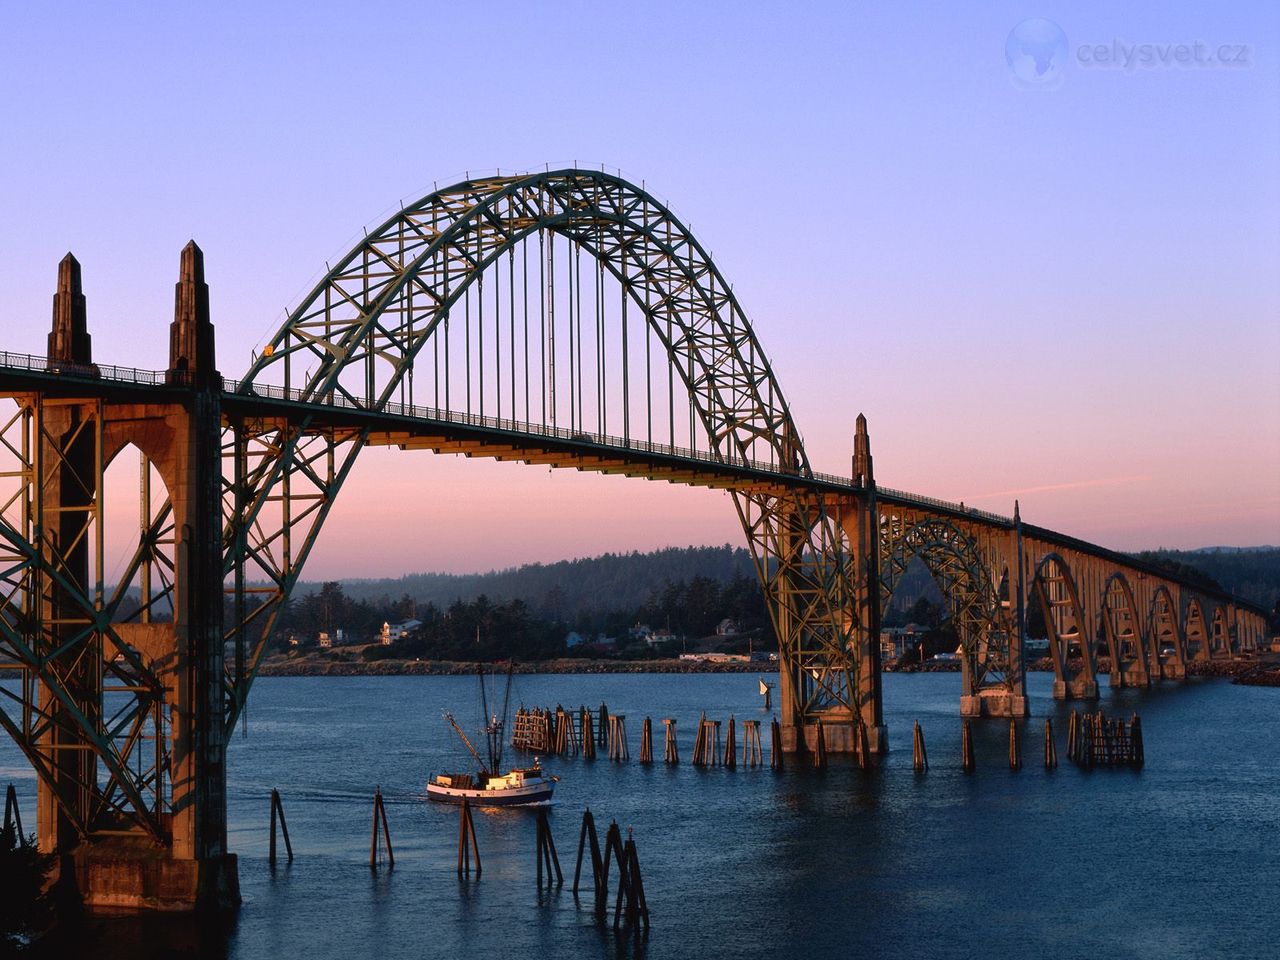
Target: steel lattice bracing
383, 329
970, 564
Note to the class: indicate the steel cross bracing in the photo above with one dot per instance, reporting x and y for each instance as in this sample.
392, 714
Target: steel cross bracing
83, 692
357, 336
968, 567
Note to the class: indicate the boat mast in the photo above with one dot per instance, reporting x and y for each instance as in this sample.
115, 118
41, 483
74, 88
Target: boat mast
449, 717
500, 723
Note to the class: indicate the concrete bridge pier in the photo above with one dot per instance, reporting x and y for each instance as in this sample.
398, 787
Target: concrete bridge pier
1078, 688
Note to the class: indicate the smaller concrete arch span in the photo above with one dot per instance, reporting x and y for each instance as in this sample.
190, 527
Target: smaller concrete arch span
1122, 627
1168, 651
1070, 640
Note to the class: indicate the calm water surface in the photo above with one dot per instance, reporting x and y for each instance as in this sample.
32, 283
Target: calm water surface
1178, 860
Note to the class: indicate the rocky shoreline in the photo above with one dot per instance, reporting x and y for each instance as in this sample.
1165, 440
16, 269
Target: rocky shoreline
1244, 672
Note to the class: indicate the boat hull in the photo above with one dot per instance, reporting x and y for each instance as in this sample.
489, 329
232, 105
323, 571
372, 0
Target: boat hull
514, 797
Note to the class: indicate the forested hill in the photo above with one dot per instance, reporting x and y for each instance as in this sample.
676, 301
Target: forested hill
569, 588
1249, 572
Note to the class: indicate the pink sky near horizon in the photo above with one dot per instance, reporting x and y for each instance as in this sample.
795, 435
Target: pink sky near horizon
1069, 296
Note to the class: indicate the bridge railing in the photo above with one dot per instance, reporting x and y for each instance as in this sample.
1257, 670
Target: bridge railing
86, 371
922, 501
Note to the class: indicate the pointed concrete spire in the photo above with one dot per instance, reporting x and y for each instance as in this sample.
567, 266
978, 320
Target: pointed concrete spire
862, 472
1017, 514
69, 339
191, 352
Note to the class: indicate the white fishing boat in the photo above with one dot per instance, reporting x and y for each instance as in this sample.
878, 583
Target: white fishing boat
488, 787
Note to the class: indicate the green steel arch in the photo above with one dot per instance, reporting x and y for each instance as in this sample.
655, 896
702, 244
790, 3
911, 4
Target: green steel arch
355, 338
955, 561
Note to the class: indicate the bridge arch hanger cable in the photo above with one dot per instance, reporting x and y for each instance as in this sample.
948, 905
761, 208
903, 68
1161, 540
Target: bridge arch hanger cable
448, 224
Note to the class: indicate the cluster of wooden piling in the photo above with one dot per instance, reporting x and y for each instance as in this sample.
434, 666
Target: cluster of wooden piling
630, 910
533, 730
1096, 740
561, 732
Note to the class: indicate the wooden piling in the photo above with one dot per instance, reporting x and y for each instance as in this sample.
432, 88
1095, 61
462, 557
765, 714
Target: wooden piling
1050, 750
637, 907
1073, 736
752, 754
702, 743
613, 853
380, 814
820, 748
546, 852
862, 749
775, 745
731, 745
588, 735
646, 741
571, 739
618, 738
13, 835
467, 847
588, 833
671, 752
1138, 756
277, 810
1015, 746
966, 747
630, 910
919, 758
601, 732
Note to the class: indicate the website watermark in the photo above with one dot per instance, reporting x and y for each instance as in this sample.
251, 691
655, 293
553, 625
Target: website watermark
1140, 56
1040, 56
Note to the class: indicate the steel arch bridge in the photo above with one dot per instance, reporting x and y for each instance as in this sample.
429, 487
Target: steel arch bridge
563, 318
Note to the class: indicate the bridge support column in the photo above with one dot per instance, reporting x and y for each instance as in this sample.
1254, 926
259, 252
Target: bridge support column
64, 488
864, 540
153, 840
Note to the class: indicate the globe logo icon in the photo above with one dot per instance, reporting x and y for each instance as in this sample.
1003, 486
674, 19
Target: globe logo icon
1036, 51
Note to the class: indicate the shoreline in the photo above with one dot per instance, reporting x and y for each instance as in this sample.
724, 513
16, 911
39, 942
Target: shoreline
310, 667
1245, 672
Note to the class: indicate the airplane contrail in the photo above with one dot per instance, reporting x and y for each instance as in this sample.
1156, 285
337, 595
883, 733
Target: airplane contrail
1071, 485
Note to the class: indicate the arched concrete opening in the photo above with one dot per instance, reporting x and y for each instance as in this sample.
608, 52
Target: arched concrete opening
1168, 655
1122, 628
1070, 639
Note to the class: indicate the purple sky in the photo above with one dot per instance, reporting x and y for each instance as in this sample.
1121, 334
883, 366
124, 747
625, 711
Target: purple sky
1068, 293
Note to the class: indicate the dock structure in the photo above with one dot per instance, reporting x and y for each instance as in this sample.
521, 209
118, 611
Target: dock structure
1104, 741
532, 730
